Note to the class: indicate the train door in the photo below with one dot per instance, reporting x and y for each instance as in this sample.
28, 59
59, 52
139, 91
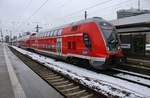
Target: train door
59, 46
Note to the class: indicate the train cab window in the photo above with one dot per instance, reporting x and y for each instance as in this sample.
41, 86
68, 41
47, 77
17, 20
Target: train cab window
86, 40
110, 35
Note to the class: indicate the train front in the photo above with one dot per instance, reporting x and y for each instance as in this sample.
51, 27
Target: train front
112, 42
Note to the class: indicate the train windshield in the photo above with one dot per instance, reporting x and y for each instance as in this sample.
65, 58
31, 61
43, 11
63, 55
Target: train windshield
110, 35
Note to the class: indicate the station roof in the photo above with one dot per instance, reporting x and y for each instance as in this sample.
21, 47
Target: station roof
139, 19
139, 23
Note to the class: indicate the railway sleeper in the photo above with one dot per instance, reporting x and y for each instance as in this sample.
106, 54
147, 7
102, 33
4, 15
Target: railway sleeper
61, 83
72, 90
77, 94
50, 75
56, 80
65, 86
88, 96
53, 78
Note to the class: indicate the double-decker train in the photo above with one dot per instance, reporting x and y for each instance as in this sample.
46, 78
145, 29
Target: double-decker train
93, 40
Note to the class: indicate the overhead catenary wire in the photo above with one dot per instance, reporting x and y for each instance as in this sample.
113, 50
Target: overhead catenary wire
37, 10
115, 5
84, 9
89, 8
118, 4
43, 4
73, 13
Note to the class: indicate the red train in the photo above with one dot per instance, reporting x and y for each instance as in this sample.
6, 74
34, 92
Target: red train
93, 40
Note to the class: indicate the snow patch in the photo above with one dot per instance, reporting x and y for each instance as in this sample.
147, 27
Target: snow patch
101, 83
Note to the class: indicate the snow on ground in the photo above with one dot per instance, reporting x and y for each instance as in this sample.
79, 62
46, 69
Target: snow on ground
134, 78
107, 85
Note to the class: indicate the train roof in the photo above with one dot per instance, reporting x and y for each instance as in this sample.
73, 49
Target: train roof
94, 19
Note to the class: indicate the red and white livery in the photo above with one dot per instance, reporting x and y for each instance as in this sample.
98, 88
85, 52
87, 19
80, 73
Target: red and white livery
94, 40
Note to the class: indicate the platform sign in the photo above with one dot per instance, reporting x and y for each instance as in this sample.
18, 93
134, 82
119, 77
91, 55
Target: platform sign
147, 47
126, 46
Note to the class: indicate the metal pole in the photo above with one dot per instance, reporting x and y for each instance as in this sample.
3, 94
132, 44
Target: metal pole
1, 35
139, 4
85, 15
37, 28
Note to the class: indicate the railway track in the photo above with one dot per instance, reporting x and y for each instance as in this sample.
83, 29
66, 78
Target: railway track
135, 68
140, 62
64, 85
136, 78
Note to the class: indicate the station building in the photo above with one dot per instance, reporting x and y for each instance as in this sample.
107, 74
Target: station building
134, 33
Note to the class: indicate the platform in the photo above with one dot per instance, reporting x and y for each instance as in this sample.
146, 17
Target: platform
19, 81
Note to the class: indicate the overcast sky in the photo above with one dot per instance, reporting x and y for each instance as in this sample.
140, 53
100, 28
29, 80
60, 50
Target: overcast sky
18, 16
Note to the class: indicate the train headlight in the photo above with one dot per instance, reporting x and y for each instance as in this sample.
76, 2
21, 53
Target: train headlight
85, 52
108, 48
119, 47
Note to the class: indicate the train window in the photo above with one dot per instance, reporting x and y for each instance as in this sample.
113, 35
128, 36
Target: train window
41, 35
74, 28
52, 33
45, 34
59, 32
86, 40
55, 33
49, 33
